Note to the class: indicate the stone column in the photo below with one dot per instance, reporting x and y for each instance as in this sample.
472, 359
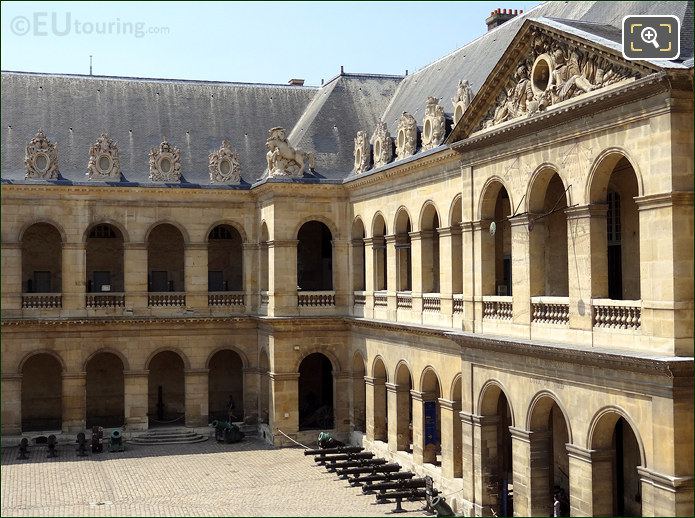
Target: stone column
530, 461
370, 271
471, 480
418, 265
11, 404
391, 275
196, 275
469, 282
376, 419
483, 267
284, 405
251, 275
665, 495
399, 432
451, 438
135, 275
196, 397
135, 400
446, 270
341, 397
587, 261
252, 392
74, 401
590, 481
418, 426
282, 289
341, 274
12, 288
525, 251
74, 272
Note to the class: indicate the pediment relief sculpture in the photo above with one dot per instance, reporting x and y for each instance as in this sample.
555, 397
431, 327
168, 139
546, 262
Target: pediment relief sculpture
362, 152
224, 164
103, 159
433, 124
284, 160
382, 144
165, 163
406, 139
41, 158
553, 71
462, 100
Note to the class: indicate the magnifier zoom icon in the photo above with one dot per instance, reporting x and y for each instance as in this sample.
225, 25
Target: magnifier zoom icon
648, 36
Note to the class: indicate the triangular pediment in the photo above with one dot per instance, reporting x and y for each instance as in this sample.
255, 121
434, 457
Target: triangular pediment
543, 67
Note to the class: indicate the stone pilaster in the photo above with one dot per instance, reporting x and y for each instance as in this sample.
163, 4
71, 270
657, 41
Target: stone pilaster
252, 390
11, 280
197, 405
11, 404
391, 275
135, 275
418, 426
370, 272
448, 268
470, 242
399, 412
135, 386
74, 401
282, 289
665, 495
74, 270
341, 274
417, 268
526, 247
196, 276
451, 438
341, 397
376, 417
251, 254
284, 409
530, 460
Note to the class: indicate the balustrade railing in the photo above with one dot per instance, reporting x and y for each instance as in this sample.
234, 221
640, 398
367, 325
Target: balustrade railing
404, 300
380, 299
360, 298
226, 298
431, 302
166, 299
42, 300
617, 314
458, 303
550, 310
497, 307
316, 298
104, 300
265, 298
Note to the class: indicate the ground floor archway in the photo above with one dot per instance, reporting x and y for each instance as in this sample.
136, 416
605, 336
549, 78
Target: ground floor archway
315, 393
105, 394
42, 389
166, 389
226, 386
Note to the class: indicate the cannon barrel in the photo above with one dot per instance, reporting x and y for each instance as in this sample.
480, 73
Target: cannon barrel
345, 456
116, 434
381, 468
23, 448
416, 494
346, 464
330, 451
396, 484
385, 477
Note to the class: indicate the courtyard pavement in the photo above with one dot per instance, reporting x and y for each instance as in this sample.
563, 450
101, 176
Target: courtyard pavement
205, 479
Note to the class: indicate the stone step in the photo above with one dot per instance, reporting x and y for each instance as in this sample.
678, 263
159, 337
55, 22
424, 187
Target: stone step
153, 442
168, 436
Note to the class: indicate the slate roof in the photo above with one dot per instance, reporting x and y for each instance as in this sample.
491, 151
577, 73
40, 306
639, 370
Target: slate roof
196, 115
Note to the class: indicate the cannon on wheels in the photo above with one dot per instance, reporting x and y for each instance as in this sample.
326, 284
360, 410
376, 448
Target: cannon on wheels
81, 445
97, 436
23, 449
227, 432
51, 444
116, 441
326, 440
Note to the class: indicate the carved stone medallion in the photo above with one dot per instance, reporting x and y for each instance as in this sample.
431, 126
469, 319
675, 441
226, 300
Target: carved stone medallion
41, 158
462, 100
165, 163
382, 144
224, 164
433, 124
362, 152
406, 139
103, 159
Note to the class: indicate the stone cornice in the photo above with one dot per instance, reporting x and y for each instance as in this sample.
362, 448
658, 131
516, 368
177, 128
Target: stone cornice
667, 482
282, 243
587, 211
283, 376
664, 200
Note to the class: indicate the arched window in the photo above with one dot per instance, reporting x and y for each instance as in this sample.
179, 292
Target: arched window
315, 393
430, 250
104, 254
314, 257
496, 264
165, 259
358, 256
379, 248
404, 271
42, 259
225, 259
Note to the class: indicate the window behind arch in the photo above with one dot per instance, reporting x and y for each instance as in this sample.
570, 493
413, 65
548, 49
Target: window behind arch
102, 232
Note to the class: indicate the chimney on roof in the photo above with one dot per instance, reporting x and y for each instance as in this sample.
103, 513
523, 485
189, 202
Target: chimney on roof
499, 16
296, 82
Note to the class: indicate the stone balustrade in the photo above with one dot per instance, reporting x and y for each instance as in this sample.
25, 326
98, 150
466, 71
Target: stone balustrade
42, 300
550, 310
166, 299
380, 299
458, 303
265, 298
360, 298
431, 302
404, 300
226, 298
497, 307
617, 314
316, 298
105, 300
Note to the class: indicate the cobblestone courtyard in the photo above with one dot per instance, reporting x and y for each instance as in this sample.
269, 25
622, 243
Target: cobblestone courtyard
204, 479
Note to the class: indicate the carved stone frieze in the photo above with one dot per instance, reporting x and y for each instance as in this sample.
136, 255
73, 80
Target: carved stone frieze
406, 139
362, 152
284, 160
462, 99
103, 159
551, 72
165, 163
224, 164
41, 158
382, 144
433, 124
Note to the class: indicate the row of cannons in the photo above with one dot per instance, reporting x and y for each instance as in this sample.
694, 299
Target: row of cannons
381, 478
115, 443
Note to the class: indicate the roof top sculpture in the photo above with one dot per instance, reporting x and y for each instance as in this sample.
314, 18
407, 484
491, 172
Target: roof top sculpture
165, 163
41, 158
103, 159
224, 164
382, 144
283, 160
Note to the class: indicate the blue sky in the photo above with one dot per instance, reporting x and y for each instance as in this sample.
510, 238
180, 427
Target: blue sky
268, 42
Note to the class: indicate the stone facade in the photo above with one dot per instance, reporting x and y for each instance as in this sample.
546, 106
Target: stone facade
515, 307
